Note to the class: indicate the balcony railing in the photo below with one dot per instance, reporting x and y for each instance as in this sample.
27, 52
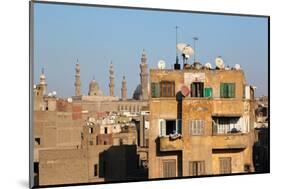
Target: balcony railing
230, 141
166, 144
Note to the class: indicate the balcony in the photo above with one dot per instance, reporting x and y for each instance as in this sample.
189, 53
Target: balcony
230, 141
168, 144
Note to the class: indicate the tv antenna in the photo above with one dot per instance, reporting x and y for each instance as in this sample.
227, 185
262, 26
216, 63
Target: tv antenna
177, 58
194, 43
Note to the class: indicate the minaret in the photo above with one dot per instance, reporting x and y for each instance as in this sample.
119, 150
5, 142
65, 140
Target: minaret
77, 83
111, 80
144, 77
43, 84
124, 89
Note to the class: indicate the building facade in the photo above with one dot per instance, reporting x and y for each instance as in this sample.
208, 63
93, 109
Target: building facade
201, 122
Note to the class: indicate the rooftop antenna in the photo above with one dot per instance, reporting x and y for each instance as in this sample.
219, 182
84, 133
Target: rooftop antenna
177, 59
42, 71
194, 42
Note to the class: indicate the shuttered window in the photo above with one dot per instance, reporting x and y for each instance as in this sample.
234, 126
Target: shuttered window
225, 165
167, 88
227, 90
168, 127
208, 92
155, 90
197, 89
196, 127
169, 168
196, 168
162, 124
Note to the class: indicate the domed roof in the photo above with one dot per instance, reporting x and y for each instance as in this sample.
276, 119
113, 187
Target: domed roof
137, 92
94, 89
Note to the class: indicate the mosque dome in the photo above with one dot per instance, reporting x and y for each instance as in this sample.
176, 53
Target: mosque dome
137, 92
94, 89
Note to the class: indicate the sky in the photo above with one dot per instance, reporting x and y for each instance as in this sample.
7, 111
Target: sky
97, 35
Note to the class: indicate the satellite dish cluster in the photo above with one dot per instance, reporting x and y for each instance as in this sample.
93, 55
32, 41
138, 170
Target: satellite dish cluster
187, 51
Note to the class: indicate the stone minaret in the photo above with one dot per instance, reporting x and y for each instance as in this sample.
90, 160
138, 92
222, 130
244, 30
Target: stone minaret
144, 77
111, 80
43, 84
77, 80
124, 89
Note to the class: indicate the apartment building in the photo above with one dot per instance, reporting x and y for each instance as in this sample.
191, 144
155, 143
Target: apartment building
201, 122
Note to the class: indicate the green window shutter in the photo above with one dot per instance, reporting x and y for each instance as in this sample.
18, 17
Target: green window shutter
155, 89
193, 90
231, 90
208, 92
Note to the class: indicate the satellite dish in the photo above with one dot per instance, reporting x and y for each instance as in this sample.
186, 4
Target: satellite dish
184, 90
161, 64
188, 50
185, 49
219, 62
208, 65
180, 46
54, 93
69, 100
49, 94
237, 67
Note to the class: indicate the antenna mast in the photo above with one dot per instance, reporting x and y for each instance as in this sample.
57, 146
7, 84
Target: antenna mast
177, 59
194, 42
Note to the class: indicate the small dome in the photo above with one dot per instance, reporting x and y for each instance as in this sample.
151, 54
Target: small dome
94, 89
137, 92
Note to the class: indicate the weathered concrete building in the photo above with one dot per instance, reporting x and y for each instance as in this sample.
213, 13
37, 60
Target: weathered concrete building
98, 159
201, 122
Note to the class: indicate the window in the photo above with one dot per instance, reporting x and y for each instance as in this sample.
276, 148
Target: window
196, 127
91, 143
95, 170
224, 125
208, 92
227, 90
105, 130
225, 165
37, 140
155, 90
196, 168
169, 168
197, 89
168, 127
167, 88
120, 141
104, 142
91, 130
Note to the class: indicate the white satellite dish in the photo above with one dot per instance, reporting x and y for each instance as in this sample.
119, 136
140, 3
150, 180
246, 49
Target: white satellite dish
185, 49
161, 64
180, 46
208, 65
237, 67
188, 50
54, 93
219, 63
69, 99
49, 94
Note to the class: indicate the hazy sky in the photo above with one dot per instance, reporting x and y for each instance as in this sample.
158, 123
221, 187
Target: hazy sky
94, 35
